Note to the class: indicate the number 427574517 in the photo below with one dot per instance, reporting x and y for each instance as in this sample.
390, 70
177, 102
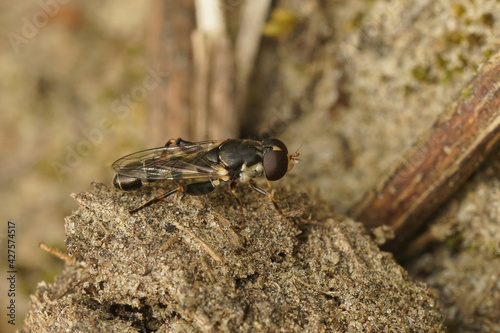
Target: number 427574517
11, 244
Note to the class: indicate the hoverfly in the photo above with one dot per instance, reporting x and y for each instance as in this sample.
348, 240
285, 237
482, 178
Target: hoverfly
202, 166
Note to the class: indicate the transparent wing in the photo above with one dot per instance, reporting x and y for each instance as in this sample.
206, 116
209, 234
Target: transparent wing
172, 163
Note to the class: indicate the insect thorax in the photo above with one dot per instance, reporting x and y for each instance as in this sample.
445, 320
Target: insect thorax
242, 158
249, 172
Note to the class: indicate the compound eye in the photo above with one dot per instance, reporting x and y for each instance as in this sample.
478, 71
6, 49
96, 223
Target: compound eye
272, 144
275, 164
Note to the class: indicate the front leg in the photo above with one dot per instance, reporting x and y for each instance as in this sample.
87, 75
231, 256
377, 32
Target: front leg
240, 203
260, 190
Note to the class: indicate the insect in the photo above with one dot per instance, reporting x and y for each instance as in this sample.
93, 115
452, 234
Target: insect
201, 167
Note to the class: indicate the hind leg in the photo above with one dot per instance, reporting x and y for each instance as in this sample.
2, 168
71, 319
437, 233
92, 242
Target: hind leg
200, 188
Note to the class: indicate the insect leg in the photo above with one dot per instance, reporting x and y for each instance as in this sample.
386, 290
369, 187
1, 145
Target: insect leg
253, 184
269, 186
200, 188
161, 197
233, 191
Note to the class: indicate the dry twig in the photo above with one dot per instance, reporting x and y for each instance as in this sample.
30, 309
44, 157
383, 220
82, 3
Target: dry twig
441, 160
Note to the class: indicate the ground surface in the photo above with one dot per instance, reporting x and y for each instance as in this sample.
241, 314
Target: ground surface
188, 264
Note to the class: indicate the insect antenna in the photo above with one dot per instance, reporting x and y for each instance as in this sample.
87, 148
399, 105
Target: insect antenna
295, 156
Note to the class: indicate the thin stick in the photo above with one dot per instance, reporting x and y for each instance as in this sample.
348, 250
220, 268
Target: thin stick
169, 243
227, 229
253, 17
213, 110
170, 78
57, 253
204, 245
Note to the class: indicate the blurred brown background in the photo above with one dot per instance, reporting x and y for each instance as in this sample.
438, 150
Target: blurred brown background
62, 68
